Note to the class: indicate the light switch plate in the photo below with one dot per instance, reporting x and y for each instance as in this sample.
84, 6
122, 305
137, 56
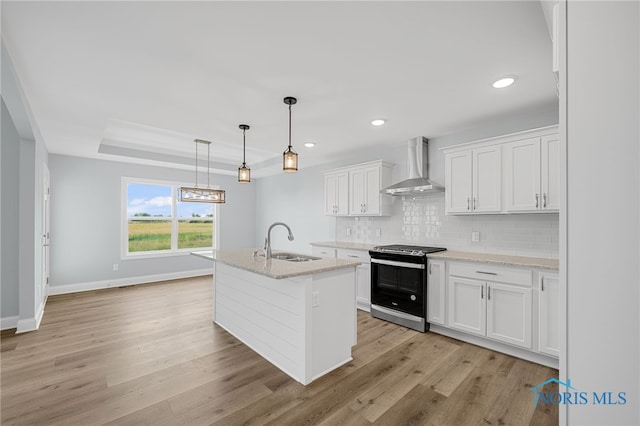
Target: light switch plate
475, 237
315, 299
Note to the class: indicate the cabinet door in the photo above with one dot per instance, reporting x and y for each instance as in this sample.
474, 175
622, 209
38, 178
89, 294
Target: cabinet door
342, 193
363, 286
509, 314
458, 182
486, 180
436, 292
330, 194
372, 190
356, 192
549, 314
522, 178
551, 173
467, 305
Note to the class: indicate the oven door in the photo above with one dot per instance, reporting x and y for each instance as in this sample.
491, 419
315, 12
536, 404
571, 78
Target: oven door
399, 285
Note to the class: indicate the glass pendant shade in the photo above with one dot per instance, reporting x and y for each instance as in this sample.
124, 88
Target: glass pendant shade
194, 194
201, 195
290, 157
290, 161
244, 174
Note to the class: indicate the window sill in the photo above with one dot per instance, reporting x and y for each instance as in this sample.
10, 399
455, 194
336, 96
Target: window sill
147, 255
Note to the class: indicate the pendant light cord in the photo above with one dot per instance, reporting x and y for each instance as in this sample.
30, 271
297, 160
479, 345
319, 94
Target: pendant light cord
244, 159
289, 127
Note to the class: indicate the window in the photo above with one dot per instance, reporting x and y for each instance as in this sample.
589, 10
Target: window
155, 223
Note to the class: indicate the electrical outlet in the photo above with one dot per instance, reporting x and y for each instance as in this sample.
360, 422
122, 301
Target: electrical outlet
315, 299
115, 267
475, 237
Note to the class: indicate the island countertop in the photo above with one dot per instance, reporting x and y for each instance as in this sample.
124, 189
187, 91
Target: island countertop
274, 268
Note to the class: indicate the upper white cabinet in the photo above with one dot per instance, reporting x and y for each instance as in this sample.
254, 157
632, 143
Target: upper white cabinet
532, 168
336, 193
549, 314
355, 190
507, 174
472, 179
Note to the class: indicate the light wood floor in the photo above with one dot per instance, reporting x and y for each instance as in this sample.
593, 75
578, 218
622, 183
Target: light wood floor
150, 355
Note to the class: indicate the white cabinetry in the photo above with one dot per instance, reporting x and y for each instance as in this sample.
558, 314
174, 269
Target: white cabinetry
532, 174
363, 276
472, 180
513, 173
549, 314
336, 193
436, 292
491, 301
355, 190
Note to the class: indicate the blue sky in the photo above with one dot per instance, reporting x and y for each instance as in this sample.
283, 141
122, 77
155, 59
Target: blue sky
157, 199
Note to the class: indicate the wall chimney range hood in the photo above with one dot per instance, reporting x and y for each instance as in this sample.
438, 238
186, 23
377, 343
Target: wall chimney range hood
418, 181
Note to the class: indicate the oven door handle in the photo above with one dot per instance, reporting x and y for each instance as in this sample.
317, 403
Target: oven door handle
400, 264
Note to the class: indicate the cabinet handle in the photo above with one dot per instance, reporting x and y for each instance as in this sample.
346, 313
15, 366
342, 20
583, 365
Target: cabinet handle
352, 255
537, 200
544, 200
542, 284
474, 203
467, 203
430, 268
488, 293
486, 273
482, 292
365, 208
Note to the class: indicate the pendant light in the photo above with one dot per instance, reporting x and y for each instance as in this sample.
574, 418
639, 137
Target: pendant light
244, 172
201, 195
290, 157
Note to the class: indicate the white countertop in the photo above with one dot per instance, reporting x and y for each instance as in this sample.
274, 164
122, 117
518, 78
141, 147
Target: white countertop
522, 261
274, 268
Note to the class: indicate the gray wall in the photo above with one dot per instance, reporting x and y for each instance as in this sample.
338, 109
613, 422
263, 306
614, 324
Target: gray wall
10, 169
297, 199
85, 220
603, 208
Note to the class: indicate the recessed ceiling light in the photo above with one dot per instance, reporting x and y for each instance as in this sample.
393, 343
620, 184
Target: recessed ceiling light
504, 82
378, 122
309, 144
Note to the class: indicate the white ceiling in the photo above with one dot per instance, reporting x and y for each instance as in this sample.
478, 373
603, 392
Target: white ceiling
138, 81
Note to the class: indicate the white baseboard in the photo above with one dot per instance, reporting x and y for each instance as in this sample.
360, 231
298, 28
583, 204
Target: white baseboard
9, 322
145, 279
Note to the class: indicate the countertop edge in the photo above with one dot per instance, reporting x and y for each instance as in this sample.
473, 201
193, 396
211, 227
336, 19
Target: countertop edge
499, 259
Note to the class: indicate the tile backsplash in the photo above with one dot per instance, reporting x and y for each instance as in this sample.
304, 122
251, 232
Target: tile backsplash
422, 221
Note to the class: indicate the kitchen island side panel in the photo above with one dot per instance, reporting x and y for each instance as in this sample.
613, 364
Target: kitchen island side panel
267, 315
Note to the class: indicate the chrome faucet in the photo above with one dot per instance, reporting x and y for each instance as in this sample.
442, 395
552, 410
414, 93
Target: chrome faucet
267, 241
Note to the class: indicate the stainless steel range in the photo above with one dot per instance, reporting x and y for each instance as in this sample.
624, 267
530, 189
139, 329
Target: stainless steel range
399, 284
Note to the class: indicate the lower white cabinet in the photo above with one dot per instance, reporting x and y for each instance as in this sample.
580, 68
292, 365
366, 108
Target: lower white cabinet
497, 310
363, 271
436, 292
549, 314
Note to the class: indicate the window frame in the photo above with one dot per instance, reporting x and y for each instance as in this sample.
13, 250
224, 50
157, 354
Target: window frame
174, 219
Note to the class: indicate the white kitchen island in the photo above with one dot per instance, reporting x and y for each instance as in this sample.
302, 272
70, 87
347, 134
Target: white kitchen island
300, 316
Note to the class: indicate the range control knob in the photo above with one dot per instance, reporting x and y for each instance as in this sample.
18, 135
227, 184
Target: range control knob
413, 297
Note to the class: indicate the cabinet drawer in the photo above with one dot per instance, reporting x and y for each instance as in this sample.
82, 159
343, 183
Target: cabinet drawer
486, 272
323, 251
361, 255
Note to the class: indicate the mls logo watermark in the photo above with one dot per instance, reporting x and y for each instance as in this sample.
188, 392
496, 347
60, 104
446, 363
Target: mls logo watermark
572, 396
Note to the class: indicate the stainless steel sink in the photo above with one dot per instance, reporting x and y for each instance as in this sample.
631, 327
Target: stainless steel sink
293, 257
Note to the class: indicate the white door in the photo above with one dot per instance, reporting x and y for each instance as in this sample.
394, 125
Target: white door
549, 314
436, 292
523, 175
363, 283
330, 194
486, 180
551, 172
372, 190
509, 314
458, 182
356, 192
467, 305
342, 193
46, 235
